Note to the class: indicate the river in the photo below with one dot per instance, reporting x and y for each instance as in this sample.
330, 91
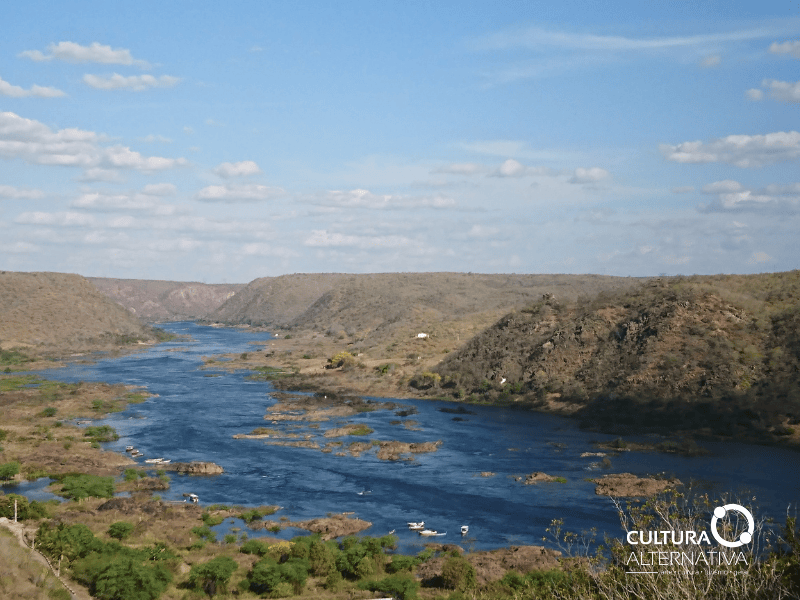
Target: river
197, 411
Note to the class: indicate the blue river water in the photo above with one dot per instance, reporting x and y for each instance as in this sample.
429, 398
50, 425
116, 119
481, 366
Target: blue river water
197, 411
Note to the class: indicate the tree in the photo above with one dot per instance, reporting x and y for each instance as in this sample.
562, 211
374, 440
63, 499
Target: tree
81, 486
124, 578
458, 573
8, 470
213, 576
120, 530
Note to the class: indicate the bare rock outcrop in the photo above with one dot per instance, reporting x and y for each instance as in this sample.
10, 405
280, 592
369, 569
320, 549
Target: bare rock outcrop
629, 485
195, 468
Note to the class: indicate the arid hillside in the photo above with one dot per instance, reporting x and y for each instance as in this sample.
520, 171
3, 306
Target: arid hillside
159, 301
721, 353
57, 313
375, 306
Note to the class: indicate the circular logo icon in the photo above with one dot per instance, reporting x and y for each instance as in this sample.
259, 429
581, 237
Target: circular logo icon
746, 536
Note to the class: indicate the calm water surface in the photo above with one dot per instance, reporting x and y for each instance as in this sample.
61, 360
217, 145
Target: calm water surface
195, 416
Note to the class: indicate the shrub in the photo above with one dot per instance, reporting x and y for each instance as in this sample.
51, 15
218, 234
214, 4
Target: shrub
256, 547
82, 486
400, 585
50, 411
205, 533
25, 509
458, 573
120, 530
102, 433
213, 576
8, 470
341, 359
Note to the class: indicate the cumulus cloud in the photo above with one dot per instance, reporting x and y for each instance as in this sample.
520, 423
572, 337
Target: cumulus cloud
746, 151
34, 142
783, 90
159, 189
324, 238
754, 94
137, 83
365, 199
238, 169
238, 193
731, 195
591, 175
792, 48
94, 53
60, 219
759, 257
514, 168
8, 191
35, 91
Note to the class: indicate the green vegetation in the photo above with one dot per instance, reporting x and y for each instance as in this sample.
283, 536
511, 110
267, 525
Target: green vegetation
213, 576
101, 433
120, 530
8, 470
360, 430
25, 509
79, 486
343, 360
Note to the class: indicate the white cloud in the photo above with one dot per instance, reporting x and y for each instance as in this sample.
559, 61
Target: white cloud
710, 61
99, 174
733, 196
760, 257
36, 91
100, 201
238, 169
159, 189
94, 53
514, 168
136, 83
155, 138
684, 189
497, 147
262, 249
323, 238
461, 169
365, 199
754, 94
60, 219
722, 187
34, 142
239, 193
792, 48
511, 168
783, 90
7, 191
591, 175
537, 37
746, 151
482, 231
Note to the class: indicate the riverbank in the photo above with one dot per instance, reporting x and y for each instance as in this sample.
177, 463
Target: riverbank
303, 362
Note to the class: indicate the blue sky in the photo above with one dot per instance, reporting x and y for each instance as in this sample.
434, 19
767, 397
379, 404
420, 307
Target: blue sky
221, 142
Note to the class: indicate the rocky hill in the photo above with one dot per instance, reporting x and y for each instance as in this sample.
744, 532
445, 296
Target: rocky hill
718, 353
369, 304
159, 301
60, 313
274, 301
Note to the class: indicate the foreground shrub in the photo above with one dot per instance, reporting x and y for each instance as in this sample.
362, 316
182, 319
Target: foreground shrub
213, 576
120, 530
399, 585
458, 573
8, 470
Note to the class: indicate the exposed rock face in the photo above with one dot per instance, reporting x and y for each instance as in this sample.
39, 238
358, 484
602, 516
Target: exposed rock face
627, 484
195, 468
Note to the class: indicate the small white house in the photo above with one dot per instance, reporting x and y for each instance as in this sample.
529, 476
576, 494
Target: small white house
422, 335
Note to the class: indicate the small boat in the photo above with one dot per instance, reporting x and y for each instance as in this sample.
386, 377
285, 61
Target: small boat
154, 461
464, 529
431, 532
129, 448
165, 461
420, 525
136, 454
364, 492
194, 498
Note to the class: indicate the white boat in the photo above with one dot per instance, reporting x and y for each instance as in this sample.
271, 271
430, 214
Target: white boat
464, 529
153, 461
165, 461
129, 448
420, 525
431, 532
